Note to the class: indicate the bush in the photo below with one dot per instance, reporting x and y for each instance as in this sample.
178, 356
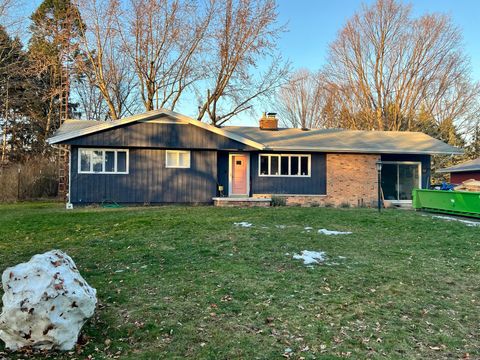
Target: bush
278, 201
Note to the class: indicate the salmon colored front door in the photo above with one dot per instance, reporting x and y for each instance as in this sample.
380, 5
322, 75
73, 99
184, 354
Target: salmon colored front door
239, 174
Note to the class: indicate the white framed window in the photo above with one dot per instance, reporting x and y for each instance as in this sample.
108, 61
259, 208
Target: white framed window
177, 159
284, 165
102, 161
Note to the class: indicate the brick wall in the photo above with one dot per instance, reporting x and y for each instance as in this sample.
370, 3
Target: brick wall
351, 180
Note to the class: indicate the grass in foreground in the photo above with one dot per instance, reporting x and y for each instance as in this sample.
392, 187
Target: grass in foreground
184, 282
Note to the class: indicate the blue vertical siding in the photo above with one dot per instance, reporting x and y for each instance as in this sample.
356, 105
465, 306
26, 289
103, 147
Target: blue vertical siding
148, 180
222, 170
155, 135
316, 184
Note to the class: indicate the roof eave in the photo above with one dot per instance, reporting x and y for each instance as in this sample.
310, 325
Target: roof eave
102, 126
363, 151
447, 170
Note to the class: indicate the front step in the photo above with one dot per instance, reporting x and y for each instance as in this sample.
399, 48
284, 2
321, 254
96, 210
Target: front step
241, 201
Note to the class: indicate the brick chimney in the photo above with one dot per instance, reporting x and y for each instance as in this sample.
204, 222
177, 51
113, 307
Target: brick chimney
269, 121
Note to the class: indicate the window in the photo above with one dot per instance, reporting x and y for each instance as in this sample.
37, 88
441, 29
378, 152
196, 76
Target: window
177, 159
284, 165
103, 161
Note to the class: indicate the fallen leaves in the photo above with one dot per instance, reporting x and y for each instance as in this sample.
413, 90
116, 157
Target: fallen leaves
226, 298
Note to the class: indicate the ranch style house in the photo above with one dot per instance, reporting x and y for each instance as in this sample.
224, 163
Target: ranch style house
162, 157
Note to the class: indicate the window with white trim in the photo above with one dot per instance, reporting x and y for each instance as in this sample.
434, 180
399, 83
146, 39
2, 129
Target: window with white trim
102, 161
284, 165
177, 159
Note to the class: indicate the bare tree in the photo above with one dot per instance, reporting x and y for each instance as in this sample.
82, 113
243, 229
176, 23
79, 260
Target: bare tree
14, 16
91, 103
4, 7
386, 65
106, 65
243, 34
306, 101
163, 39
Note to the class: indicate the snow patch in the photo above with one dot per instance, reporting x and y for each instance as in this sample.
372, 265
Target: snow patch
243, 224
449, 218
333, 232
311, 257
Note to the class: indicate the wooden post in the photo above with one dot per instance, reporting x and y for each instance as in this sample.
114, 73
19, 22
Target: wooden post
18, 183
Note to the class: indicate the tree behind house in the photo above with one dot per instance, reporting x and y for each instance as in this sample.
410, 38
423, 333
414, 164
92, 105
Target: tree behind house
387, 65
243, 34
386, 69
53, 52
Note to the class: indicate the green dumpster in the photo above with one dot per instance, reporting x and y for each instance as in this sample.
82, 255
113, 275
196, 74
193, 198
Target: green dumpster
463, 203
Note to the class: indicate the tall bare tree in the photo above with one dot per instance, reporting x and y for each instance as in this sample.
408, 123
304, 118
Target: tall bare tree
164, 39
106, 65
91, 103
306, 101
242, 35
386, 65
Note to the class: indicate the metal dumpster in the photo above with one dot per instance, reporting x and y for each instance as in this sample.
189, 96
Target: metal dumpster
463, 203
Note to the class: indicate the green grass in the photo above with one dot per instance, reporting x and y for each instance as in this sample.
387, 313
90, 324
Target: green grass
195, 286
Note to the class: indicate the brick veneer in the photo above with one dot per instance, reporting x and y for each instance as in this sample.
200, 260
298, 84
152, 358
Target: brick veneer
351, 180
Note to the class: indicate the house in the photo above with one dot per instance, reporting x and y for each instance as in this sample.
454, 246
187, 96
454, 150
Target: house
164, 157
464, 171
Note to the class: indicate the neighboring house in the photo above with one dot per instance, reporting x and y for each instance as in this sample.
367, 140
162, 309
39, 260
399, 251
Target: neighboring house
165, 157
464, 171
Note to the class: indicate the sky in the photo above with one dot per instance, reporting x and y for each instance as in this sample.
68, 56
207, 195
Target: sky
313, 24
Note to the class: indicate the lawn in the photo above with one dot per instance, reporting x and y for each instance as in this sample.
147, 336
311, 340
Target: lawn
185, 282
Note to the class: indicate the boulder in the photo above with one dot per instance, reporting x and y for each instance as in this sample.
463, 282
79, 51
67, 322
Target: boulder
45, 304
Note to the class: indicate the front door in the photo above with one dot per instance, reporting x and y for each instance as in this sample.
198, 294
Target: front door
239, 174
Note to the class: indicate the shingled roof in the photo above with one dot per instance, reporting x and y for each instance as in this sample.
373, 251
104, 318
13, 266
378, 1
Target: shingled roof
319, 140
339, 140
472, 165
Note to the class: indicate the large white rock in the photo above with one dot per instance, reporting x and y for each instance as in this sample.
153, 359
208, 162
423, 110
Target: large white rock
45, 304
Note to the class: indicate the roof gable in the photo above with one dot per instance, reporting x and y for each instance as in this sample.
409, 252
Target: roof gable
77, 128
159, 134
